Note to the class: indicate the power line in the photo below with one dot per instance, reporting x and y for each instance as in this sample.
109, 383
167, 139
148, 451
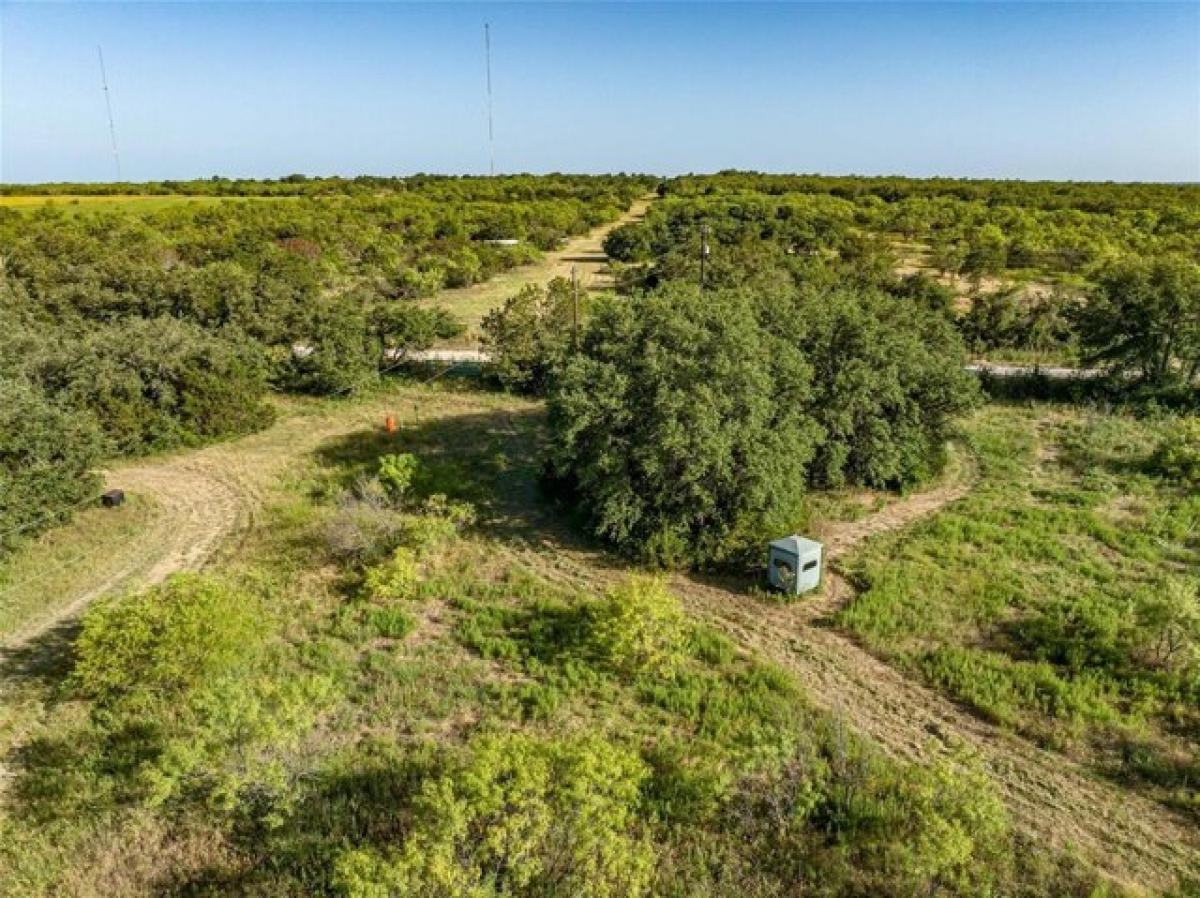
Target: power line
487, 51
112, 129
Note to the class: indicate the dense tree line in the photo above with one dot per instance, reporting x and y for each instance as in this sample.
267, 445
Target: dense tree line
1078, 271
152, 330
507, 188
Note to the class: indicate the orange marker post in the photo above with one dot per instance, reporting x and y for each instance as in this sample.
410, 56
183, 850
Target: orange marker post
390, 424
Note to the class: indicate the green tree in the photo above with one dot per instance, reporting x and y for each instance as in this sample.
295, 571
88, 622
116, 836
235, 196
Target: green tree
986, 252
887, 383
1143, 317
48, 453
682, 424
530, 336
399, 327
159, 383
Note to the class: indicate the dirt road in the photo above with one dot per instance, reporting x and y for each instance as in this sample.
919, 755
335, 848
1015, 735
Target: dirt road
584, 253
202, 499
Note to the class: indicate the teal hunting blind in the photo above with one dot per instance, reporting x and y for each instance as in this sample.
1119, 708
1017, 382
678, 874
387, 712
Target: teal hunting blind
794, 564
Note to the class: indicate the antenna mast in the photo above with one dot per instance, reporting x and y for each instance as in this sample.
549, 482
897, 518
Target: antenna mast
487, 50
112, 130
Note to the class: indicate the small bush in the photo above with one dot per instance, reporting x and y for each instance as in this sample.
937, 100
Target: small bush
519, 816
392, 623
640, 626
440, 520
394, 579
1178, 454
362, 531
396, 473
166, 640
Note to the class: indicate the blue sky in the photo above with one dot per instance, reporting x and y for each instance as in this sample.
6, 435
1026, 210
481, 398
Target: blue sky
1030, 90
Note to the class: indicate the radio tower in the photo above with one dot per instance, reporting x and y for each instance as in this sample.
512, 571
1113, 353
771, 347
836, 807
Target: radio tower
487, 52
112, 129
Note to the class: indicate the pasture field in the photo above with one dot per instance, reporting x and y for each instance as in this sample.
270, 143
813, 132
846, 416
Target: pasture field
71, 203
1055, 598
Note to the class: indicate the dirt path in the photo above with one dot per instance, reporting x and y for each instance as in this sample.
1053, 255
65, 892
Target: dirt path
585, 253
1051, 798
202, 499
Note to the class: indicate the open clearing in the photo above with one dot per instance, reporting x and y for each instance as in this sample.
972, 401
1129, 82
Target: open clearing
126, 203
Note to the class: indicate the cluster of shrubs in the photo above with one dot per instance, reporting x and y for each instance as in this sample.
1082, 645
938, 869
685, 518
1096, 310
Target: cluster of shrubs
384, 532
741, 789
176, 679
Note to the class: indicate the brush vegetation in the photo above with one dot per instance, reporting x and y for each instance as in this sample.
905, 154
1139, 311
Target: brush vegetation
428, 715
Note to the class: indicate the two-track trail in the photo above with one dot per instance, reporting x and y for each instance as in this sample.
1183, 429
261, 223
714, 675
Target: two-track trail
1051, 798
200, 499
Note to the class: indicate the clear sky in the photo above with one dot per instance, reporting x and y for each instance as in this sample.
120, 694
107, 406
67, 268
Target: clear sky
1029, 90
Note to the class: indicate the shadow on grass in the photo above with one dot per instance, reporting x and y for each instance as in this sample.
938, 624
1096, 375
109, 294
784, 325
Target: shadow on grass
491, 459
43, 661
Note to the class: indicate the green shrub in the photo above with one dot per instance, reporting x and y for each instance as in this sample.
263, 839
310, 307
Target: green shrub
47, 459
165, 641
392, 623
438, 521
394, 579
396, 473
640, 626
519, 816
1178, 453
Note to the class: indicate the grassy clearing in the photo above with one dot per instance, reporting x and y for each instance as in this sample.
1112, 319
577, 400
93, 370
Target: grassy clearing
584, 253
416, 712
62, 561
1059, 597
126, 203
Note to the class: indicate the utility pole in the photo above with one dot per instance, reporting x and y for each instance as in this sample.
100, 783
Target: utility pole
574, 309
487, 50
112, 130
703, 253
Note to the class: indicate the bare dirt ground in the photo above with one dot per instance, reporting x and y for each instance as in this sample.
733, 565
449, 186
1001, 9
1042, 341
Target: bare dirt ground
584, 253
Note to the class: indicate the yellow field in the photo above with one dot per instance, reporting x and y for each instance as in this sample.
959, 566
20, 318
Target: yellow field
130, 202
